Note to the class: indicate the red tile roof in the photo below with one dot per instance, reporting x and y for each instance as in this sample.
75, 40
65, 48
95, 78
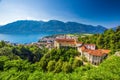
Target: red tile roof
105, 51
69, 41
98, 52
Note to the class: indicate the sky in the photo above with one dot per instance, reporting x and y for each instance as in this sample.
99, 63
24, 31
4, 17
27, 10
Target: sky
91, 12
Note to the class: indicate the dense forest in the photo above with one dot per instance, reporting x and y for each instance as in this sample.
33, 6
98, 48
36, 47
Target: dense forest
29, 62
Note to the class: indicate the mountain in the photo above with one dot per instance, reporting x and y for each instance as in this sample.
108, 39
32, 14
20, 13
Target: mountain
52, 26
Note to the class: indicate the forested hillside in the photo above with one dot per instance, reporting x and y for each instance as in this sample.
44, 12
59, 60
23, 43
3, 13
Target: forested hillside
22, 70
25, 62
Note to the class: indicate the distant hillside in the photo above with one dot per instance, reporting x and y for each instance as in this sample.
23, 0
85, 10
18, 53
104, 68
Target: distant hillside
52, 26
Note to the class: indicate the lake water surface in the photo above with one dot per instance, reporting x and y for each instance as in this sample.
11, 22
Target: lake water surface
21, 38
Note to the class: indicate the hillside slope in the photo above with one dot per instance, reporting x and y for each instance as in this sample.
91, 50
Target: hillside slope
52, 26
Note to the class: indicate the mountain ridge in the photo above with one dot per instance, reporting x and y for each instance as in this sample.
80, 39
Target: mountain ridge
51, 26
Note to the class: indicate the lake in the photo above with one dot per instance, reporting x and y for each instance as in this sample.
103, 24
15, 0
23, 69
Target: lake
22, 39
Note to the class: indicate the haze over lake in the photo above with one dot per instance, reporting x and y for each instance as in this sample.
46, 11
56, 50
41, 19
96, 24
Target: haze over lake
21, 38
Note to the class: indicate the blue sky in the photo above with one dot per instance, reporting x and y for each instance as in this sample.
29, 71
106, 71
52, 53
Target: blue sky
94, 12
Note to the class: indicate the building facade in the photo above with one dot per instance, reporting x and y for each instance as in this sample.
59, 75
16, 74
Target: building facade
64, 43
93, 56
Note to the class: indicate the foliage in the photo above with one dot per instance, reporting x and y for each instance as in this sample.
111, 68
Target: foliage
66, 67
108, 70
51, 65
58, 66
77, 63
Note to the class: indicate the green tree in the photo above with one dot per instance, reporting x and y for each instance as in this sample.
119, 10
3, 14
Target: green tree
2, 44
118, 29
43, 63
51, 66
100, 41
77, 63
58, 66
3, 59
66, 67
